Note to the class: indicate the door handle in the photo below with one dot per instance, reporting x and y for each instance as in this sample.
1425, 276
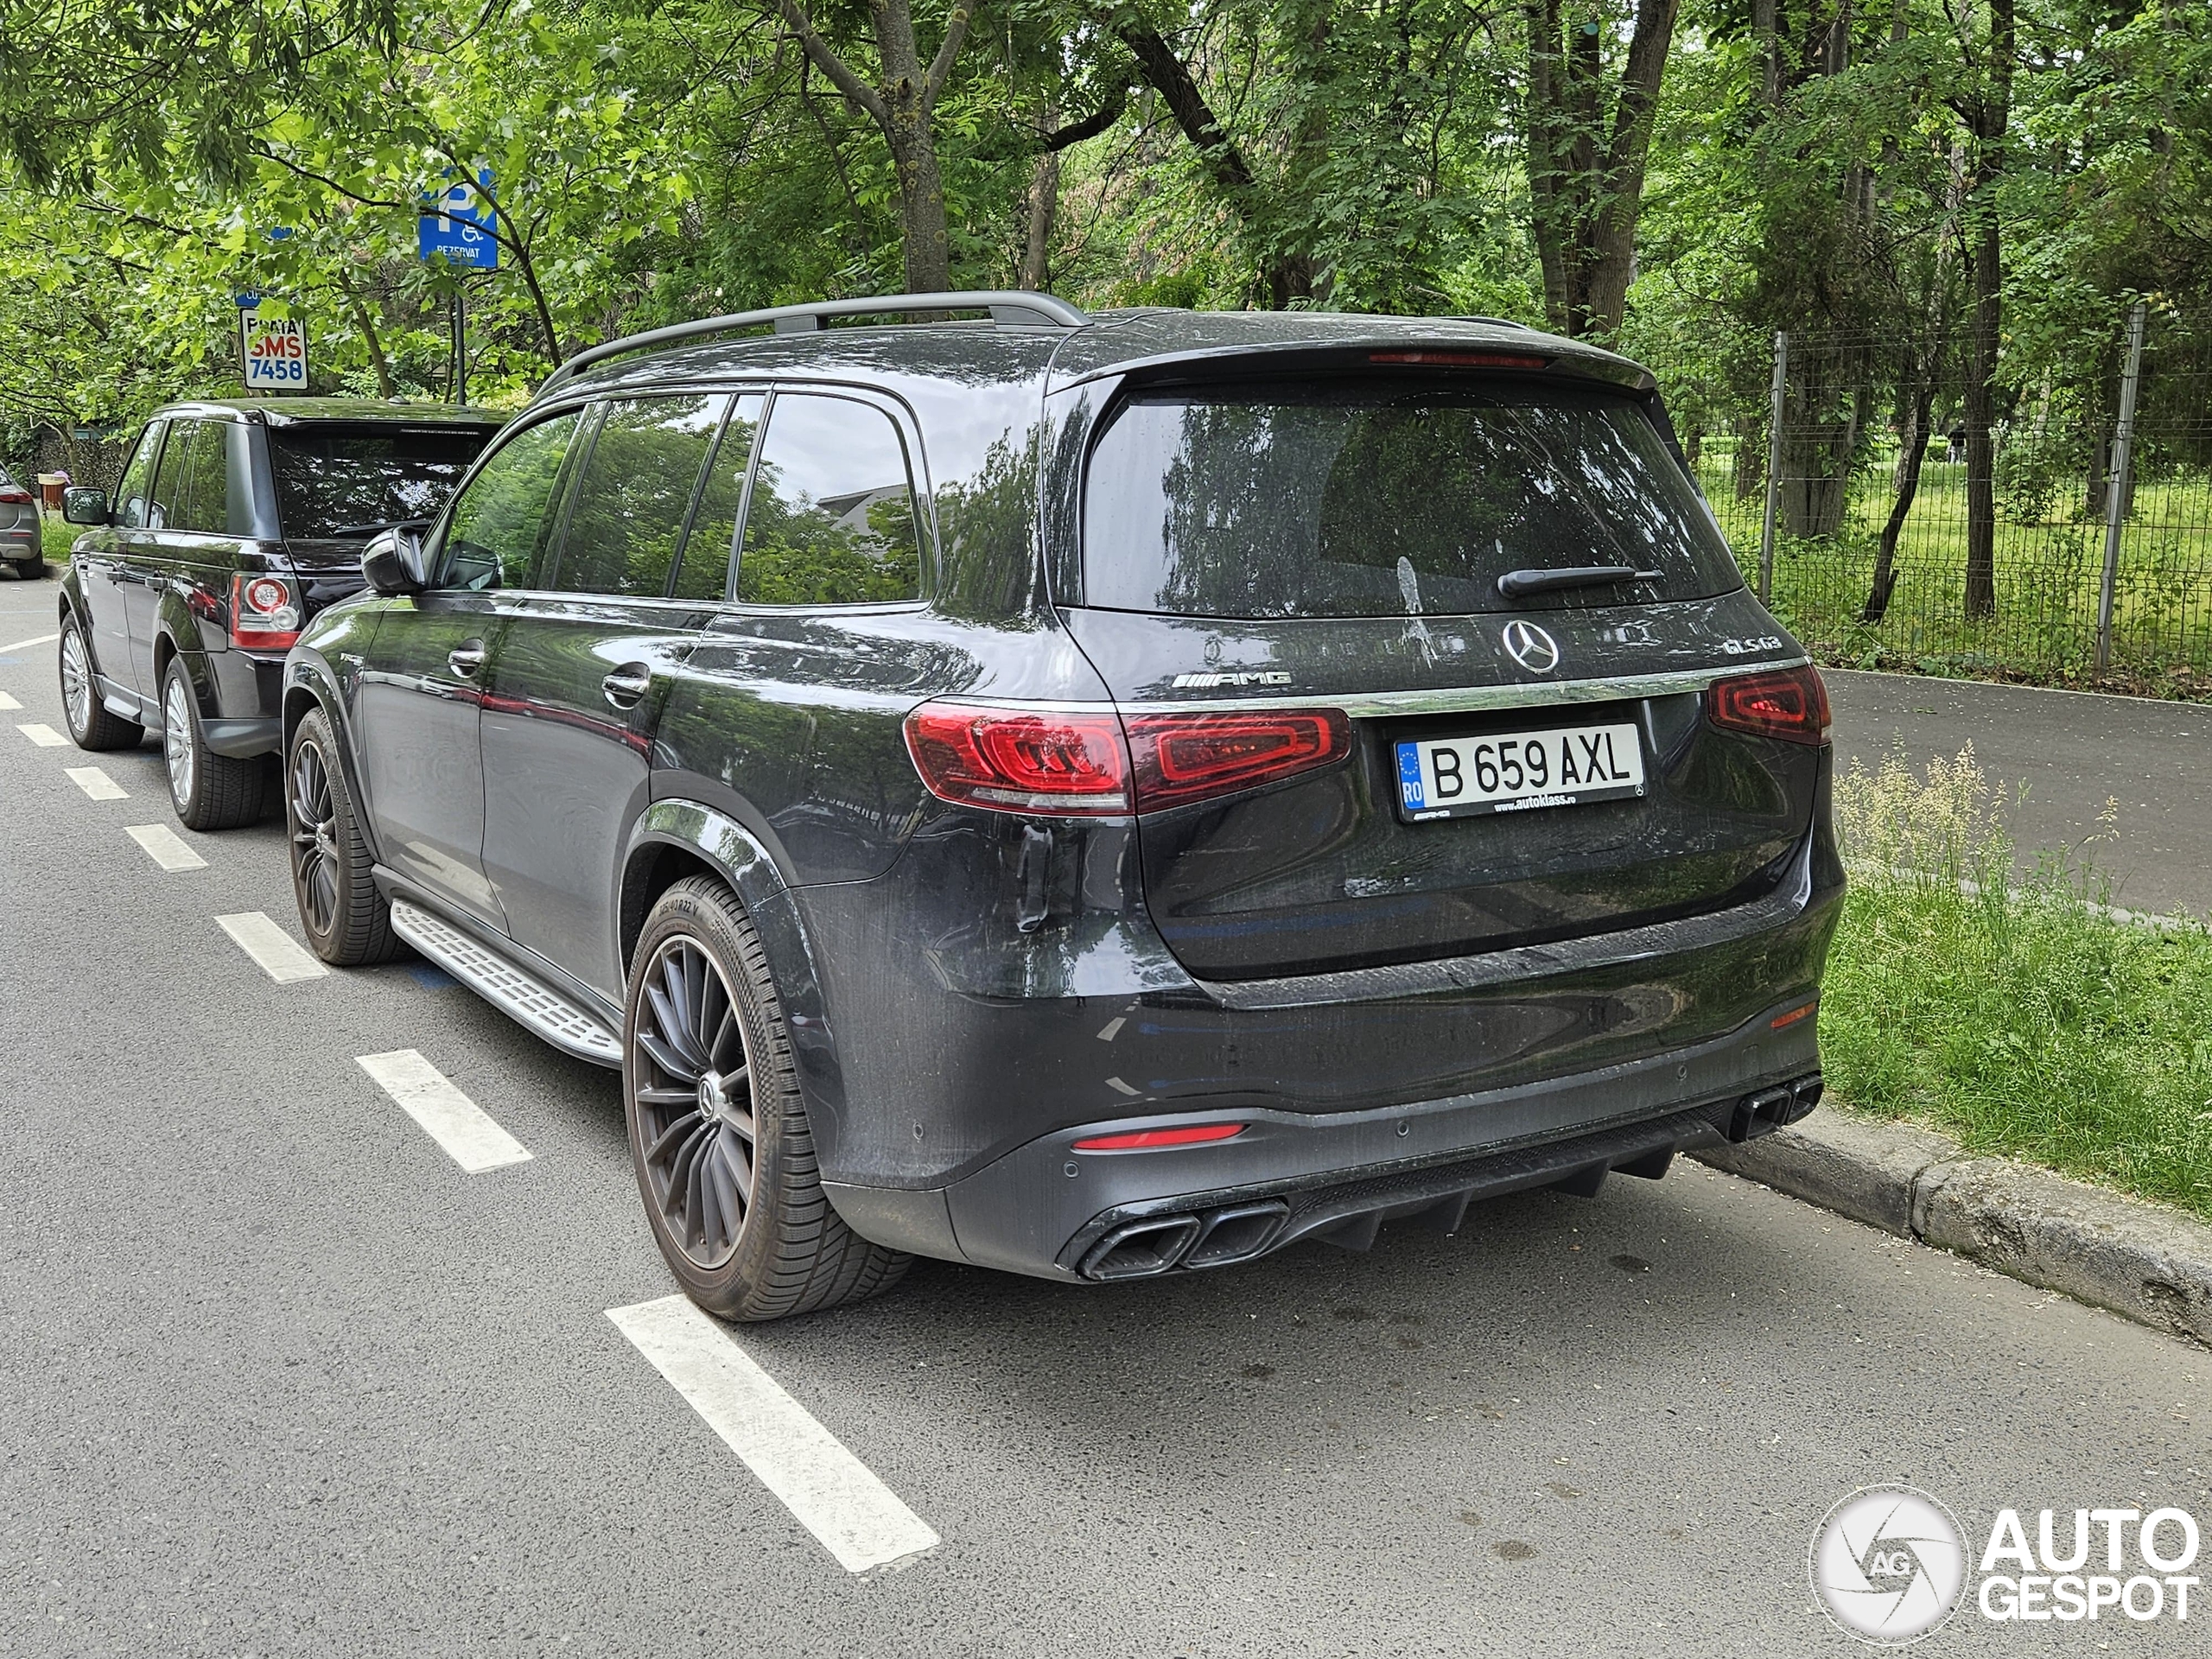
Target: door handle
465, 659
627, 684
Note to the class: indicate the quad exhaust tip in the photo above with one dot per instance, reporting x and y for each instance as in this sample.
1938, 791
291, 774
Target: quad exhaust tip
1771, 1109
1213, 1238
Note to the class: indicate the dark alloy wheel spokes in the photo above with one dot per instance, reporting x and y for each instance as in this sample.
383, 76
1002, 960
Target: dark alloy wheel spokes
315, 847
695, 1102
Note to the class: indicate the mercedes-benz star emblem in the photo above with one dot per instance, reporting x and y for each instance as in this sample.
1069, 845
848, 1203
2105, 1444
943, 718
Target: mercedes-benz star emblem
1530, 646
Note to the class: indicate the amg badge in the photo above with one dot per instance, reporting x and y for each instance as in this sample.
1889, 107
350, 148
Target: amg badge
1248, 677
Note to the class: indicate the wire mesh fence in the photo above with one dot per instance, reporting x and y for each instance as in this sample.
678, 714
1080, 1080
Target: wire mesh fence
1943, 566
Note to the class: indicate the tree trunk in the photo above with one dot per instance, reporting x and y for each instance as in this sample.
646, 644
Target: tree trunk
1284, 276
1917, 409
359, 308
1587, 167
901, 108
1044, 205
1990, 115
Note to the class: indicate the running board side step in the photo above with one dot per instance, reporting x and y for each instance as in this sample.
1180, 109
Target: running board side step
526, 1001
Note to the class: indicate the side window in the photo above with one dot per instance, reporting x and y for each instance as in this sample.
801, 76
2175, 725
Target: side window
704, 573
137, 485
206, 500
831, 520
169, 480
633, 497
502, 521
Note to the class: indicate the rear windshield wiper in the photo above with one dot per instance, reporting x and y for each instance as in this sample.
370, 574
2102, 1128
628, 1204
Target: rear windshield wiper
376, 524
1518, 584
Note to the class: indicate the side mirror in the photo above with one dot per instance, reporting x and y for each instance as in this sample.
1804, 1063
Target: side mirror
83, 506
392, 563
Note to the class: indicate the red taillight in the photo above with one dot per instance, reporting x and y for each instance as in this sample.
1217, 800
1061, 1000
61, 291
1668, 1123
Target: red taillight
265, 613
1791, 704
1051, 764
12, 497
1183, 758
1021, 760
1193, 1134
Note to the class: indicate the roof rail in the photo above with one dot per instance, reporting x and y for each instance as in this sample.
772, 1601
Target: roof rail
1013, 308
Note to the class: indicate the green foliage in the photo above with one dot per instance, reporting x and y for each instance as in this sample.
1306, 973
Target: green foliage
2022, 1015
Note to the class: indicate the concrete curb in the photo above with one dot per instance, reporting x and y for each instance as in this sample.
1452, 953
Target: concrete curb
2147, 1263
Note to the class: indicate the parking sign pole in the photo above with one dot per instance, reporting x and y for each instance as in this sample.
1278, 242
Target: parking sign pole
2116, 490
460, 344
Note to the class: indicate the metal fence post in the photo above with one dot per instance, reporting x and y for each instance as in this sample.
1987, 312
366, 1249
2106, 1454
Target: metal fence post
1773, 467
2116, 488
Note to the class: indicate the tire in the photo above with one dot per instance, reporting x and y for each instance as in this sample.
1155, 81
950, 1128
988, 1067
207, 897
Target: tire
347, 920
703, 1007
32, 569
209, 790
91, 726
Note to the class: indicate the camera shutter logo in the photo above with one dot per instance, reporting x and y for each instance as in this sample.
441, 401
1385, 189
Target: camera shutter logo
1888, 1564
1530, 646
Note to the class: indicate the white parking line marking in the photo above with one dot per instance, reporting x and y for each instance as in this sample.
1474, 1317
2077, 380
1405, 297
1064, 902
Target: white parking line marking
279, 954
8, 702
45, 736
165, 847
470, 1136
43, 639
95, 783
1113, 1030
857, 1518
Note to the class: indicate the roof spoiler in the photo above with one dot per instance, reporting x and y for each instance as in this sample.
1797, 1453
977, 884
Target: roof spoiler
1008, 308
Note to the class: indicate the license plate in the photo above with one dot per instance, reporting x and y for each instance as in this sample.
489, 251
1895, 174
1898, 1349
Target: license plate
1518, 772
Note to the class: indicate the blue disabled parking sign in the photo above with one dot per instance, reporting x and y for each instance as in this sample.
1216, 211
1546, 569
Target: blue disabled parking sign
459, 225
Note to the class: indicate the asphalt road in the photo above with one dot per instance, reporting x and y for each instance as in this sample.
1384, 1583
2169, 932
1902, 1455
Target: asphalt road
277, 1377
2057, 759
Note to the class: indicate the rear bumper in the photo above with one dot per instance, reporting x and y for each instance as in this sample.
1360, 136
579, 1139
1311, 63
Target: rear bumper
1047, 1209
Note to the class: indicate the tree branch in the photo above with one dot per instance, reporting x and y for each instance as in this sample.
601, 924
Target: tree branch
825, 59
956, 32
1164, 71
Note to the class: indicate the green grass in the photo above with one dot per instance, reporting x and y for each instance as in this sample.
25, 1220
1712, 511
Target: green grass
58, 536
2014, 1015
2048, 572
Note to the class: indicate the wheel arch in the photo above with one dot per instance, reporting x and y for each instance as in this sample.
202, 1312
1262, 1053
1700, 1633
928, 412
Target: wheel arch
309, 687
674, 838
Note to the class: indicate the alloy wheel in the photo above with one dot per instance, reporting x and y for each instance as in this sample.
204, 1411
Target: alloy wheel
315, 837
693, 1083
176, 740
76, 682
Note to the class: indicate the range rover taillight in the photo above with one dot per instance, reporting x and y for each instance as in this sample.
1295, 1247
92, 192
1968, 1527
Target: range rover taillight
1790, 703
1061, 763
265, 613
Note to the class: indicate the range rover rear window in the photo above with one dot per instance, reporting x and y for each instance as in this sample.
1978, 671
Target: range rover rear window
1386, 499
346, 481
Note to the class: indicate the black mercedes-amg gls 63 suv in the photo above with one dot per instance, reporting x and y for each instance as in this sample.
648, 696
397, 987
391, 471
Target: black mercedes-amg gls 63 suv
1094, 796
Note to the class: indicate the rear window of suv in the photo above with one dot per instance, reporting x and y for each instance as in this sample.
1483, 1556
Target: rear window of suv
1385, 500
355, 482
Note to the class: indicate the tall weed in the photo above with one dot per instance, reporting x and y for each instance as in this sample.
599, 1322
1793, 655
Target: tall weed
2014, 1011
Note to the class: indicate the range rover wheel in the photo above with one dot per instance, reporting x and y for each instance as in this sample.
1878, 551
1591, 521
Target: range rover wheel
209, 790
90, 724
718, 1132
347, 919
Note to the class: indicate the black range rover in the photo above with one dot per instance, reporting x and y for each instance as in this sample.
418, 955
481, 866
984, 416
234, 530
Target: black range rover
232, 523
1089, 796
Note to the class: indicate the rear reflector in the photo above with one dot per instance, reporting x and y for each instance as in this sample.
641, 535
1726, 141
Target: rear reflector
1791, 704
1183, 758
1054, 764
1192, 1134
1462, 360
1783, 1021
265, 613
